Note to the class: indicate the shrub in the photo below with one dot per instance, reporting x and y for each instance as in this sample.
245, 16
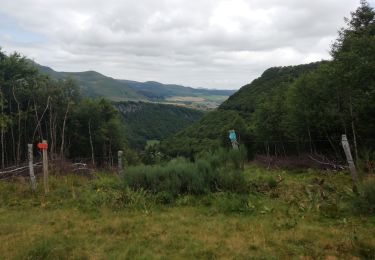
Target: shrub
365, 203
272, 183
164, 197
180, 176
231, 180
238, 157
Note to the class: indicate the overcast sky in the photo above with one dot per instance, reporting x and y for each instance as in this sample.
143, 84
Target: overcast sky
200, 43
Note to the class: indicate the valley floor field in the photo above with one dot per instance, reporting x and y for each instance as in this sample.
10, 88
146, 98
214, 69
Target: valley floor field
285, 215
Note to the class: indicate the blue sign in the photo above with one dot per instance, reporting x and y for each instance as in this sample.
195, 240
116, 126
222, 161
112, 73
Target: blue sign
232, 135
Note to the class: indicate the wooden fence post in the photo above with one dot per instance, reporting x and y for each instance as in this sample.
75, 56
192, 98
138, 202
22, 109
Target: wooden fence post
119, 160
31, 167
349, 158
45, 168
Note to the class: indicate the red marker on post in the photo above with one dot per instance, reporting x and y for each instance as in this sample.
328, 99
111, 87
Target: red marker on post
43, 146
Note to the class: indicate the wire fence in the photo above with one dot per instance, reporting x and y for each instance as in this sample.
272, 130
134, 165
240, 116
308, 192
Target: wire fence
18, 170
55, 166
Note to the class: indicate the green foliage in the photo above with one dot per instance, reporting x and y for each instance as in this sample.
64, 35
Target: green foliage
272, 183
150, 121
35, 107
211, 172
230, 203
247, 99
176, 177
99, 120
231, 180
209, 133
365, 202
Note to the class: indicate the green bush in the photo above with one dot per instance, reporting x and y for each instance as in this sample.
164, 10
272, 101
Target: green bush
180, 176
365, 203
237, 157
272, 183
231, 180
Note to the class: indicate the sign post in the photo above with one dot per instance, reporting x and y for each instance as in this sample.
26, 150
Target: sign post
233, 139
44, 146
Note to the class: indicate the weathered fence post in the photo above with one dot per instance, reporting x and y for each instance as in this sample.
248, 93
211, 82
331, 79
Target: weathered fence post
119, 160
31, 167
45, 167
349, 158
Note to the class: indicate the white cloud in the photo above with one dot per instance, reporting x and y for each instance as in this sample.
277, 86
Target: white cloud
207, 43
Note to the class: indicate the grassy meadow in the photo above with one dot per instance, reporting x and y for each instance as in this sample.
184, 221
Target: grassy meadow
284, 214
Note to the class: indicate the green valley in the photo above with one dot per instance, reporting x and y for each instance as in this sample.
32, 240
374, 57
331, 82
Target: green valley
146, 121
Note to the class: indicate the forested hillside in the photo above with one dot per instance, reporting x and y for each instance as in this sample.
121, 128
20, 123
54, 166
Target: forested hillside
151, 121
249, 97
236, 113
34, 107
306, 108
94, 84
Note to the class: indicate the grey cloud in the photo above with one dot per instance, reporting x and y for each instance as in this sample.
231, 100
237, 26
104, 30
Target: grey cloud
206, 43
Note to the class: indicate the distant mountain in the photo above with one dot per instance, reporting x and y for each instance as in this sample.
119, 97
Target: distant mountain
94, 84
146, 121
156, 90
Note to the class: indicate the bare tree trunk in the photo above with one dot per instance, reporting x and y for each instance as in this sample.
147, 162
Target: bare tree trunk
19, 127
282, 145
92, 146
353, 129
110, 153
12, 134
268, 155
310, 141
13, 143
52, 147
275, 149
63, 131
38, 125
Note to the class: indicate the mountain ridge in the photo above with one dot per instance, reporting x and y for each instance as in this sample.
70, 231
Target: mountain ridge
95, 84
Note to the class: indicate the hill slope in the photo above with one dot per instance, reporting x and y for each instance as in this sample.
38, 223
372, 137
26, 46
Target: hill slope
94, 84
235, 113
150, 121
247, 97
